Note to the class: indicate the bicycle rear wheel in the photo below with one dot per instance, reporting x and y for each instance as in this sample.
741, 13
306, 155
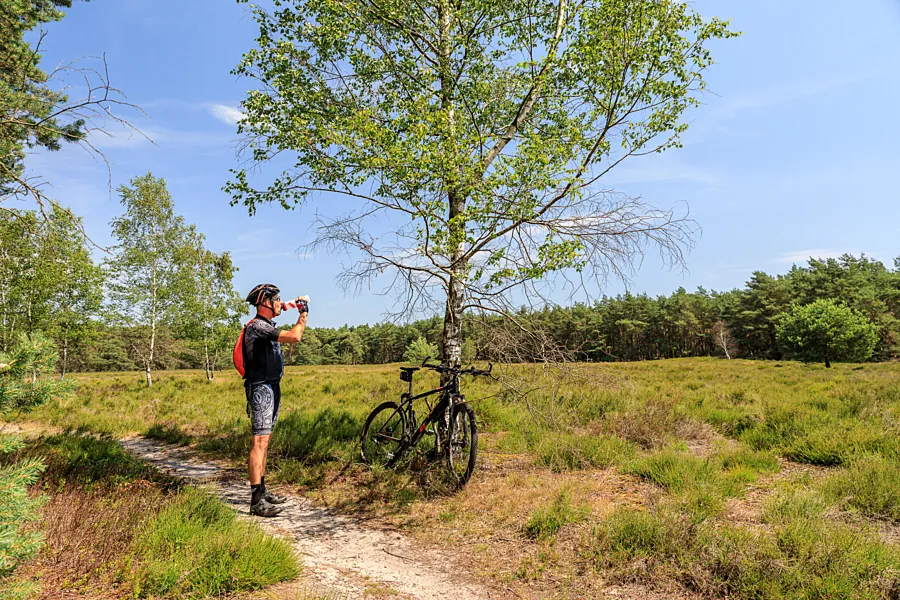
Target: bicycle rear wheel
463, 444
383, 435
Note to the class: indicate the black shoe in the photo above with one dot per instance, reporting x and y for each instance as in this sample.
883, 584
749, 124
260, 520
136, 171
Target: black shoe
273, 498
264, 509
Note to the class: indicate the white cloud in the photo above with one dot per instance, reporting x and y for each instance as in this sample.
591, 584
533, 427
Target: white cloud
227, 114
801, 256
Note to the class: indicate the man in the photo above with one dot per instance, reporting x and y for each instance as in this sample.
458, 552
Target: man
263, 368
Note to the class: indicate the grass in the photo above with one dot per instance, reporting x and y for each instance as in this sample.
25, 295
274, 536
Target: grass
169, 433
546, 521
88, 461
871, 485
113, 523
642, 476
703, 483
565, 451
195, 547
801, 556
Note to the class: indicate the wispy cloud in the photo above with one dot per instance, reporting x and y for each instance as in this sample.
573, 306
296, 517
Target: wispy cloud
229, 115
159, 136
801, 256
629, 174
795, 91
735, 106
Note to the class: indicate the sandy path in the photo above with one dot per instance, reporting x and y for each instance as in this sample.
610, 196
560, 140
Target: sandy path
339, 553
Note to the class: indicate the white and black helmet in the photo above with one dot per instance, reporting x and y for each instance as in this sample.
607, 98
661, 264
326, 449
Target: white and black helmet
261, 293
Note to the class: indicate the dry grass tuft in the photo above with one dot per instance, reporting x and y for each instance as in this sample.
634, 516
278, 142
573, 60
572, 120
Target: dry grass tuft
87, 534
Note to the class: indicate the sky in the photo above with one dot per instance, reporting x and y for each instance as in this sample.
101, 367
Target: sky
793, 154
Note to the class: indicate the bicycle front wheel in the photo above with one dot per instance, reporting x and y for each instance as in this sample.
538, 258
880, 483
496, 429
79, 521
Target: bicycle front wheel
463, 444
383, 435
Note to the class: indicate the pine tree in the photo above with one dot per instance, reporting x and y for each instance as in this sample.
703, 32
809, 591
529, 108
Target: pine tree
25, 382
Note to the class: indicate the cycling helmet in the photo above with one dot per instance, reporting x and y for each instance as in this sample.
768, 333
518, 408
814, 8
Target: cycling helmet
261, 293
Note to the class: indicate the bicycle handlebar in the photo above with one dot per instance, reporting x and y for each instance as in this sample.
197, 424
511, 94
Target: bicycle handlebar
441, 368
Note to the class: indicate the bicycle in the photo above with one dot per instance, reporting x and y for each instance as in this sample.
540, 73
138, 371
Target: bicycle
391, 429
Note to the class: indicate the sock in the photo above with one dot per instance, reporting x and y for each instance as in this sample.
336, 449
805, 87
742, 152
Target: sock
262, 483
256, 493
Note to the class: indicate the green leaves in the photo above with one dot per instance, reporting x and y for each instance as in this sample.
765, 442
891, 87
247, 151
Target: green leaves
26, 381
825, 330
479, 132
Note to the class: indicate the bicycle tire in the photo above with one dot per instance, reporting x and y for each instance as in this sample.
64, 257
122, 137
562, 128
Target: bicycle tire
463, 444
383, 452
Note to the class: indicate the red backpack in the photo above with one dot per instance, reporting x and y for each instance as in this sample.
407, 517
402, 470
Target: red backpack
238, 354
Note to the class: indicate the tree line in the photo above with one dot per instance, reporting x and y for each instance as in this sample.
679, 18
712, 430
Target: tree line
159, 299
857, 299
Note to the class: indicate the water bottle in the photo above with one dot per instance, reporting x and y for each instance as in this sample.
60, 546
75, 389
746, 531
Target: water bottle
292, 304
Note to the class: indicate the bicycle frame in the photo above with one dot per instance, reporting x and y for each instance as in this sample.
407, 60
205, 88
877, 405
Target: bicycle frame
449, 392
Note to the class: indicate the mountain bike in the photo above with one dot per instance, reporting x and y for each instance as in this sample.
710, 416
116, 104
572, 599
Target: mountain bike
392, 430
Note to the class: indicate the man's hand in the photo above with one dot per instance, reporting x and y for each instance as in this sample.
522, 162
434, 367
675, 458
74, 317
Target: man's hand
296, 332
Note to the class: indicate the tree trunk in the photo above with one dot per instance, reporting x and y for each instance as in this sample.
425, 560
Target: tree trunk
4, 321
65, 357
152, 330
209, 375
451, 339
452, 334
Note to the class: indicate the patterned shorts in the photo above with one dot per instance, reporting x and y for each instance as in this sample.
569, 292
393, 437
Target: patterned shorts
263, 402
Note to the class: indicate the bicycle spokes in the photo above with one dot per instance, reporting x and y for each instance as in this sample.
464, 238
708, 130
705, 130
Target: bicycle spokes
383, 436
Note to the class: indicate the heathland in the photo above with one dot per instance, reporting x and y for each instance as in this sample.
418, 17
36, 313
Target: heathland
706, 477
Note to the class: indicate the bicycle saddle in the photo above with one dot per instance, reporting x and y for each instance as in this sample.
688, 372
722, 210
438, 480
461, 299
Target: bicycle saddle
410, 369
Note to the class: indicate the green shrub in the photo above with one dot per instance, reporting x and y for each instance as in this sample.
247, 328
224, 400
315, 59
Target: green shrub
756, 461
701, 484
567, 451
793, 504
652, 536
870, 485
88, 461
731, 421
836, 444
170, 433
779, 425
546, 521
804, 559
196, 548
326, 435
801, 555
675, 469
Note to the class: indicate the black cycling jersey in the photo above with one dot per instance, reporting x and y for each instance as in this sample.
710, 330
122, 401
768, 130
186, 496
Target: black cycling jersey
262, 352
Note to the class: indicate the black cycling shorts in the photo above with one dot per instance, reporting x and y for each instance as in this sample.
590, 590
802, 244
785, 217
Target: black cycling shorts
263, 402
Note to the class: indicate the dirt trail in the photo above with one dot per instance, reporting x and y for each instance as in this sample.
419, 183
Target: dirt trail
339, 553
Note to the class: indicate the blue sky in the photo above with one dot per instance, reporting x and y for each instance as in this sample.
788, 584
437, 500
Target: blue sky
794, 153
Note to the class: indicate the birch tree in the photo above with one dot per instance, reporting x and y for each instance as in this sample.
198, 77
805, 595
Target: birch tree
210, 306
73, 284
143, 266
48, 280
472, 138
